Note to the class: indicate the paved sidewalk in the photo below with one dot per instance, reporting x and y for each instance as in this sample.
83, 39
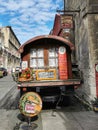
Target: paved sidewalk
69, 120
6, 84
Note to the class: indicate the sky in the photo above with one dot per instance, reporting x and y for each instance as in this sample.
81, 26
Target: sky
29, 18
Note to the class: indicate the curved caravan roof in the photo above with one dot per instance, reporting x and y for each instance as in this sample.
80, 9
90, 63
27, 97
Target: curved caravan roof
43, 37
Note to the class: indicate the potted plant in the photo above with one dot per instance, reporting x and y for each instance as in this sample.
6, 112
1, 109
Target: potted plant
95, 104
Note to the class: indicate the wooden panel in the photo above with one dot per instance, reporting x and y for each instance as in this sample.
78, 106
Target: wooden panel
56, 83
46, 74
69, 64
45, 57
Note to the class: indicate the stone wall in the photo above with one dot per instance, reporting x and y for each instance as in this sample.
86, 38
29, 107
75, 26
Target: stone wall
86, 42
73, 4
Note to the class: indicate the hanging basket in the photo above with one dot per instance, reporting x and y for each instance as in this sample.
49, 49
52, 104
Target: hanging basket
22, 79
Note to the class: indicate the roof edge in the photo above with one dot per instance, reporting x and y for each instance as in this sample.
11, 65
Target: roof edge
21, 49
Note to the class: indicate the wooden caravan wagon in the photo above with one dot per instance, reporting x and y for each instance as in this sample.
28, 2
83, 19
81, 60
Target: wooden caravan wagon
46, 65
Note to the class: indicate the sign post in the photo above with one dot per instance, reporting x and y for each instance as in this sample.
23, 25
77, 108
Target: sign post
30, 104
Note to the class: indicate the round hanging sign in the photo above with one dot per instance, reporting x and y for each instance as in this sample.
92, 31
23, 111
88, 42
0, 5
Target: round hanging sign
96, 68
30, 104
62, 49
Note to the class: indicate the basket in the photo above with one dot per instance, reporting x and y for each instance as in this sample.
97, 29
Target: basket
24, 79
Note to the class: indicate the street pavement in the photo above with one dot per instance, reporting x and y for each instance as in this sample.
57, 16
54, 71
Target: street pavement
6, 85
71, 117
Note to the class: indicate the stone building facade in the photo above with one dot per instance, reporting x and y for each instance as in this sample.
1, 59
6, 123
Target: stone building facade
85, 15
9, 45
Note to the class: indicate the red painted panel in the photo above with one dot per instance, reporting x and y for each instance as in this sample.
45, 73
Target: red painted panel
96, 74
57, 25
63, 71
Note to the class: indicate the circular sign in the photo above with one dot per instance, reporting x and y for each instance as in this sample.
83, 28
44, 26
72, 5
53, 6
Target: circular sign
62, 50
30, 104
96, 68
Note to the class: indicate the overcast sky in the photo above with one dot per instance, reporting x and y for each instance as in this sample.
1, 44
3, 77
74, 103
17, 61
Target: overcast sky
29, 18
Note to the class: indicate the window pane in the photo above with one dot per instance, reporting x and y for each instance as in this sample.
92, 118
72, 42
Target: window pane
52, 62
40, 52
40, 63
56, 62
33, 63
51, 52
33, 53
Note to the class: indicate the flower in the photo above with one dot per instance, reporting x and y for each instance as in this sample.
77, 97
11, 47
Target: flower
26, 73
